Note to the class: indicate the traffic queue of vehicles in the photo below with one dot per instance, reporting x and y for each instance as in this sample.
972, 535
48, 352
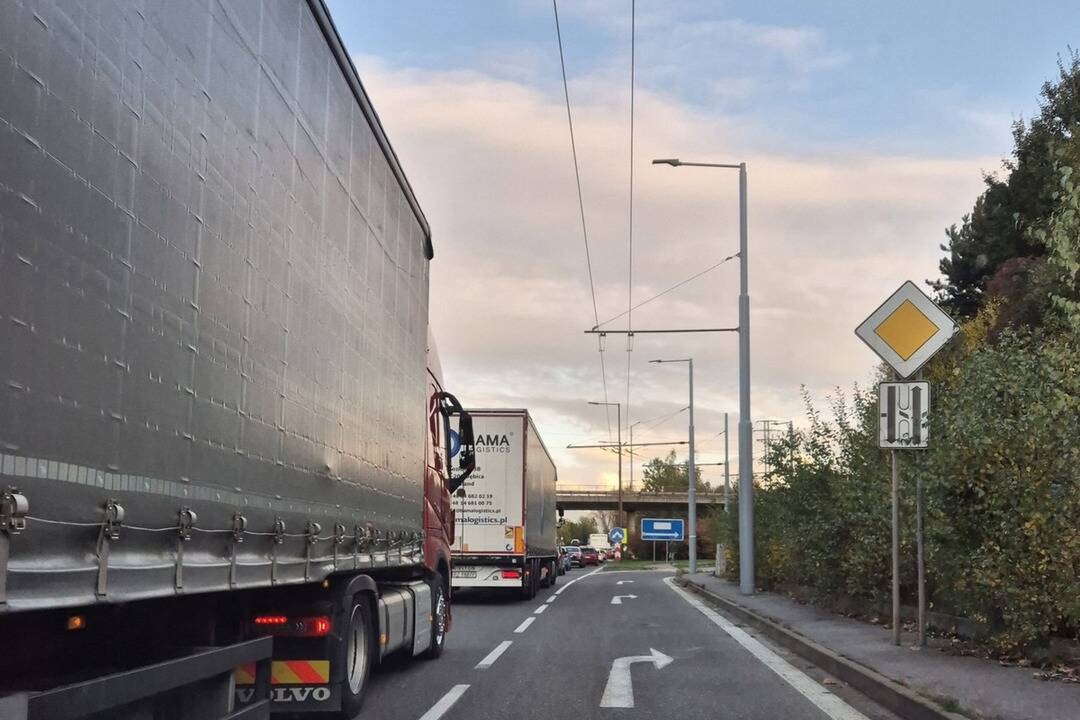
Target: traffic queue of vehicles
223, 404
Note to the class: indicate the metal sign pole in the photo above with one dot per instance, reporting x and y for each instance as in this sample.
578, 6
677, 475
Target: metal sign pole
895, 547
906, 331
920, 559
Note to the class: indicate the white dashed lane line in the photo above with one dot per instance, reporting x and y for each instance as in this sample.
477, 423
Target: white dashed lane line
445, 703
494, 655
454, 694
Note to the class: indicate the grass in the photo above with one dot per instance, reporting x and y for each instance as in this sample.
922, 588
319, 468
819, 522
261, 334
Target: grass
622, 565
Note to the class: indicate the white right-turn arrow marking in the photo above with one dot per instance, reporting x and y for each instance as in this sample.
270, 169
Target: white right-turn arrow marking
619, 691
617, 600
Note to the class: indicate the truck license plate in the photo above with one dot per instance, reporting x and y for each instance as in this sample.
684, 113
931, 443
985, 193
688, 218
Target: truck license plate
465, 572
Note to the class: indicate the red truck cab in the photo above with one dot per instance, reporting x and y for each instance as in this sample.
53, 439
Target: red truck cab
444, 443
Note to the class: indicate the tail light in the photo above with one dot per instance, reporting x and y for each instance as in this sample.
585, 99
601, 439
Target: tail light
318, 626
281, 625
511, 574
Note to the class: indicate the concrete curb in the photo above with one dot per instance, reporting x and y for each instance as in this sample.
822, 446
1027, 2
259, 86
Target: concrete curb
886, 692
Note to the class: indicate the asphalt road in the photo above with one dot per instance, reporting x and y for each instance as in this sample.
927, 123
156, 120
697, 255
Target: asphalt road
553, 657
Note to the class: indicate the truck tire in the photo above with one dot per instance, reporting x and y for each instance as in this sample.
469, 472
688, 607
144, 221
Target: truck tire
528, 589
358, 653
439, 616
554, 573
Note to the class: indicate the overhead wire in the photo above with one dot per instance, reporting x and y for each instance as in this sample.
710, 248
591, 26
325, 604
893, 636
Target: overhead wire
676, 286
581, 208
652, 423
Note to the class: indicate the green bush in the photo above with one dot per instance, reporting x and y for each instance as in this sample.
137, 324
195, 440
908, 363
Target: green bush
1003, 488
1002, 493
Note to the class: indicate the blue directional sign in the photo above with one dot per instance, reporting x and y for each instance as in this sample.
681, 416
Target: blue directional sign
616, 536
673, 529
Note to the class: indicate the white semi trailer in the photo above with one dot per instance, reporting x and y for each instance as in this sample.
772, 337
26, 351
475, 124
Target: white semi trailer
505, 512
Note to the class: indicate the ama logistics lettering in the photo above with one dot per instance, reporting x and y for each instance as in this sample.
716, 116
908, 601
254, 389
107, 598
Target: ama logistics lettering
493, 443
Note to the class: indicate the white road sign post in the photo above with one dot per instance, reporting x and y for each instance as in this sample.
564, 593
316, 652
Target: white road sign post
904, 415
906, 331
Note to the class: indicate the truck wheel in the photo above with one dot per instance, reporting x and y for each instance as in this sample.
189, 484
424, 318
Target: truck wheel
528, 589
545, 582
357, 655
439, 617
554, 573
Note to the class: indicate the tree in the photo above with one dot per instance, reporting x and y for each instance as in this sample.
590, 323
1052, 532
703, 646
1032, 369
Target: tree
606, 519
666, 475
1061, 236
577, 530
999, 227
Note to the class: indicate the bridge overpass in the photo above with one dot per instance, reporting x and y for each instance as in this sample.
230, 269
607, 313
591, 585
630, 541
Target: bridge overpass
597, 498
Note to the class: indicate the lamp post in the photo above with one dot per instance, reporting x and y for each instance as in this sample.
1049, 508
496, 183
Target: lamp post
727, 466
691, 493
618, 421
746, 448
631, 453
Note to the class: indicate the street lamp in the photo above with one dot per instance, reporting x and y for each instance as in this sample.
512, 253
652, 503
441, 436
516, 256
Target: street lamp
691, 493
746, 448
618, 422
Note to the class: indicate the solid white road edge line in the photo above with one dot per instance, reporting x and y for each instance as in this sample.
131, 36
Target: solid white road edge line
494, 655
540, 609
525, 625
559, 591
825, 701
445, 703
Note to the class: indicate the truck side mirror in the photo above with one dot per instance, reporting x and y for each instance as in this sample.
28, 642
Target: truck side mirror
466, 450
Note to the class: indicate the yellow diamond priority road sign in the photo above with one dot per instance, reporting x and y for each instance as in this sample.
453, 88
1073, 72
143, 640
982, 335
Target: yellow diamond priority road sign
907, 330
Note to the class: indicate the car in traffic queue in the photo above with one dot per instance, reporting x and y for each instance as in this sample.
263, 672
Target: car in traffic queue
573, 553
589, 556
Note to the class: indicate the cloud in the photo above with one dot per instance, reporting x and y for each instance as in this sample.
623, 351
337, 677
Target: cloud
830, 237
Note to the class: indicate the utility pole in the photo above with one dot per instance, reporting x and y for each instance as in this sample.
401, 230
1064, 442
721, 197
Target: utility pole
727, 468
691, 496
765, 425
618, 420
746, 438
691, 470
746, 445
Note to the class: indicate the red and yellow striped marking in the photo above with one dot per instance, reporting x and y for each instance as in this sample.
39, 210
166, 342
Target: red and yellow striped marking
287, 672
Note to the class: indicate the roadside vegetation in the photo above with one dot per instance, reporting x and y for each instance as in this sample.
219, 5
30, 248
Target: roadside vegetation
1002, 476
618, 565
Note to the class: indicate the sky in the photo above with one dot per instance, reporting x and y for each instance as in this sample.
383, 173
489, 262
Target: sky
867, 128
